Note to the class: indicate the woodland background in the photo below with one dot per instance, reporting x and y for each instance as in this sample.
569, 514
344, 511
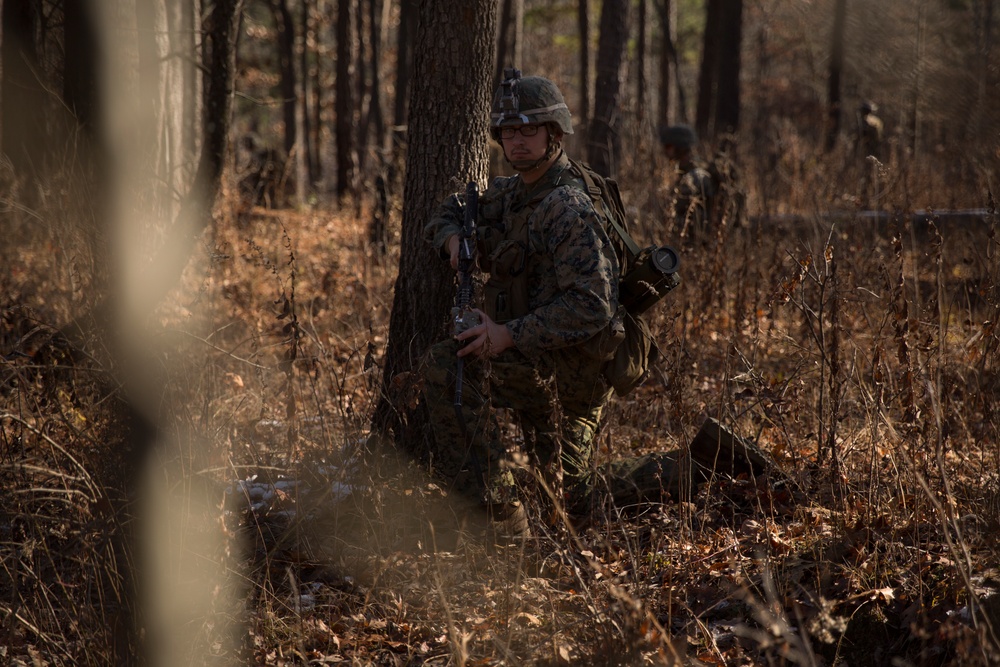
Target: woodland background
215, 295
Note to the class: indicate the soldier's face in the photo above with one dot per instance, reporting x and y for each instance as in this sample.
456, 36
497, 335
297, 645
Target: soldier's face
525, 149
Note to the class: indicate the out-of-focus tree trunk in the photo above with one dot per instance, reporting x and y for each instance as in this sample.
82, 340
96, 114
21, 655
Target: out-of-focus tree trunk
510, 38
834, 110
81, 93
305, 177
23, 98
504, 59
462, 75
404, 58
285, 27
316, 75
378, 20
345, 103
363, 90
603, 141
984, 57
642, 48
671, 109
583, 27
727, 106
708, 75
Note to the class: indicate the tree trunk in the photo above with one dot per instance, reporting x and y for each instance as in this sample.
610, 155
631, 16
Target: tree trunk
363, 89
344, 105
81, 92
316, 74
727, 107
671, 110
504, 58
603, 144
404, 58
23, 100
517, 39
462, 74
378, 20
305, 177
642, 47
583, 112
708, 76
834, 110
285, 28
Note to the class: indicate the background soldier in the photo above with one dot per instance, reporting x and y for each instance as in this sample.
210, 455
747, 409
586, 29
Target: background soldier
869, 140
868, 146
693, 189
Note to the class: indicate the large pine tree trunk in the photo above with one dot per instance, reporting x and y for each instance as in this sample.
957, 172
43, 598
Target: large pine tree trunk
727, 108
453, 61
603, 143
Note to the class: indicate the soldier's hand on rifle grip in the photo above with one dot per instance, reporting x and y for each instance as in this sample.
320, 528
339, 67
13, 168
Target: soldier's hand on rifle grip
487, 338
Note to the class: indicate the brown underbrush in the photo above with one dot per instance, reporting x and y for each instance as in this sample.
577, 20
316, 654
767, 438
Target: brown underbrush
246, 516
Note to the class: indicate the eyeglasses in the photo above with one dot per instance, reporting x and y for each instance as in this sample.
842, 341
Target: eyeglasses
525, 130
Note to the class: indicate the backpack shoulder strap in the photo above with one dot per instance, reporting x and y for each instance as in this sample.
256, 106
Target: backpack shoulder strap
605, 190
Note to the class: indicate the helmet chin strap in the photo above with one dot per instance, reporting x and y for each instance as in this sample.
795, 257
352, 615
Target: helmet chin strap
553, 148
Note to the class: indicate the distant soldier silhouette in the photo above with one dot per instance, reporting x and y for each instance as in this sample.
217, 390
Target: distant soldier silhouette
869, 141
868, 147
694, 189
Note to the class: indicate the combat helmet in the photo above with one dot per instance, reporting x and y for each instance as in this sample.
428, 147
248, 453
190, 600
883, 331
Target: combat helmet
530, 99
866, 107
682, 136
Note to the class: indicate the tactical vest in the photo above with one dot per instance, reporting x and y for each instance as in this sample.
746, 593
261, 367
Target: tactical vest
504, 250
626, 344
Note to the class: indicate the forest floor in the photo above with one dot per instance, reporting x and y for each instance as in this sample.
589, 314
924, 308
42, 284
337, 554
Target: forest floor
863, 359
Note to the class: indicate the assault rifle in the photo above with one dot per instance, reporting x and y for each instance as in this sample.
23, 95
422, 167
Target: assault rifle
462, 315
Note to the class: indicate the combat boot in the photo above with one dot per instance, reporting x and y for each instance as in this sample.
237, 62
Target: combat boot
508, 523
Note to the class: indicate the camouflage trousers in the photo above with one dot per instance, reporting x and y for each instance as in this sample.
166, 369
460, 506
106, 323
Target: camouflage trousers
558, 405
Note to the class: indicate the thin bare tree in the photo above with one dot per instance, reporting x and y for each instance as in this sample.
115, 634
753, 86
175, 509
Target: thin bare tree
834, 110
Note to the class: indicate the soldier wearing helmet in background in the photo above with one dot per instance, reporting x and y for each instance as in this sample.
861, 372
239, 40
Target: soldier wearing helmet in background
868, 146
869, 141
693, 189
550, 319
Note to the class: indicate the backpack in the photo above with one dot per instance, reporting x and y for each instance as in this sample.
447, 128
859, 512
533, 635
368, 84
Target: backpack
647, 275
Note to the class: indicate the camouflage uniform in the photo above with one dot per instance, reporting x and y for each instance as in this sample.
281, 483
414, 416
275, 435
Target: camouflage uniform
553, 282
552, 378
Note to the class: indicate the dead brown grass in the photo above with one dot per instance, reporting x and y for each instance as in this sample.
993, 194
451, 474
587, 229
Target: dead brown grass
863, 357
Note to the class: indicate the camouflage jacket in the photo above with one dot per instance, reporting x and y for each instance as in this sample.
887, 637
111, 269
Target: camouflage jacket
547, 241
